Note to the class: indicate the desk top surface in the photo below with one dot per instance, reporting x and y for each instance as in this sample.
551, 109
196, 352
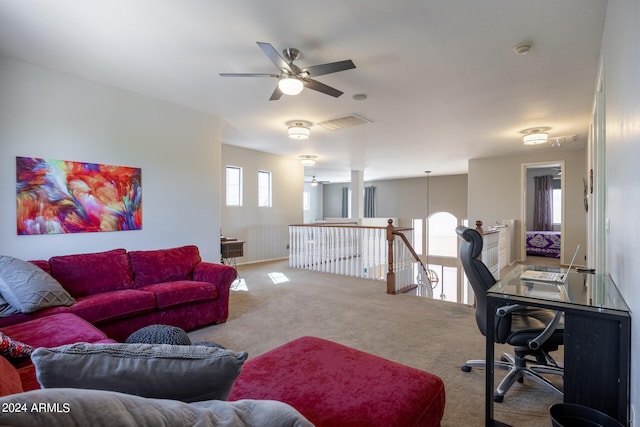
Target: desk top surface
582, 290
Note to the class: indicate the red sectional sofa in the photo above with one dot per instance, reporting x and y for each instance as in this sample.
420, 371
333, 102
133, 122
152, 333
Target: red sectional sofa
120, 292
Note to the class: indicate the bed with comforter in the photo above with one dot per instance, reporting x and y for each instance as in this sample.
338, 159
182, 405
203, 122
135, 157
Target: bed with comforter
543, 243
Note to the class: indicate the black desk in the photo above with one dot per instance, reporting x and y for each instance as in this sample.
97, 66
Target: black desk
597, 338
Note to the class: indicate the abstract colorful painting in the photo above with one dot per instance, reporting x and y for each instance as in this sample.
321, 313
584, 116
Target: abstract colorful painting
61, 196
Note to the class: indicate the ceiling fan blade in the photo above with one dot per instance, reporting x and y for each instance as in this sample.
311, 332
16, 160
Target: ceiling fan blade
332, 67
321, 87
274, 56
248, 75
277, 94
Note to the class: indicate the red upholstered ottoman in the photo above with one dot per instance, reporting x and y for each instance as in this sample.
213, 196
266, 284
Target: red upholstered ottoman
338, 386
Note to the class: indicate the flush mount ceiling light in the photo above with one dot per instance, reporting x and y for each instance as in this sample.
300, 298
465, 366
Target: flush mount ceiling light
299, 130
308, 160
290, 85
535, 136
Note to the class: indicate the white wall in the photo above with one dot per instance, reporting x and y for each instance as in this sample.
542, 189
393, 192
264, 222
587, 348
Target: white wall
54, 116
621, 66
407, 198
264, 230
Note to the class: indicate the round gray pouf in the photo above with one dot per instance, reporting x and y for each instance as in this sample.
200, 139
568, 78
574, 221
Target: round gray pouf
159, 334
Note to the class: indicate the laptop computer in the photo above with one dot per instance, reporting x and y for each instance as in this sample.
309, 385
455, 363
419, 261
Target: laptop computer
549, 276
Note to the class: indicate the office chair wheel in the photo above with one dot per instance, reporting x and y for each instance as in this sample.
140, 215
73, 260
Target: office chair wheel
497, 398
466, 368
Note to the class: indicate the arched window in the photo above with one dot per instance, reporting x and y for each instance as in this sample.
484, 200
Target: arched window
441, 234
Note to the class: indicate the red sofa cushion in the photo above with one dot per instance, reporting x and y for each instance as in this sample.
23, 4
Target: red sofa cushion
183, 291
112, 305
338, 386
25, 317
164, 265
55, 330
94, 273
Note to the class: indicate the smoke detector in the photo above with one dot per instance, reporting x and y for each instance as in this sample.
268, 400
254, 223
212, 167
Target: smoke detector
522, 48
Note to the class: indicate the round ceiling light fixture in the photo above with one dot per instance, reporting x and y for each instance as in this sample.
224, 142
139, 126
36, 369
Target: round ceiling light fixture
290, 85
299, 130
535, 136
308, 160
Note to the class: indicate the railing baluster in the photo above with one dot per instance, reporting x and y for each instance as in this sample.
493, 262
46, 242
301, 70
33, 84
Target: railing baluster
366, 252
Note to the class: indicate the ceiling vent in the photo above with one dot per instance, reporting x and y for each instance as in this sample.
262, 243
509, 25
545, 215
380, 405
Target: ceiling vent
344, 122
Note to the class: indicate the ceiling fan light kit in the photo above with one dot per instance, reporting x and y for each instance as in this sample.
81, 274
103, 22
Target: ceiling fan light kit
290, 85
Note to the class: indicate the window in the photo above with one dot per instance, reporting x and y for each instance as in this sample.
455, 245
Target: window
234, 186
442, 237
264, 189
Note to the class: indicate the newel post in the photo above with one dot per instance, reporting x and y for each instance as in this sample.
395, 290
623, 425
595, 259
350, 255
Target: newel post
391, 275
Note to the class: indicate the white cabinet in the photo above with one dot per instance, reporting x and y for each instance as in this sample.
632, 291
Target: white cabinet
496, 248
504, 246
491, 251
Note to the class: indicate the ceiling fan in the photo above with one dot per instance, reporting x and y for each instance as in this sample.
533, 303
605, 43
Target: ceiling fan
294, 77
314, 182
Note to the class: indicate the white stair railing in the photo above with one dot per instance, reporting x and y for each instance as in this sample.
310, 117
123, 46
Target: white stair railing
357, 251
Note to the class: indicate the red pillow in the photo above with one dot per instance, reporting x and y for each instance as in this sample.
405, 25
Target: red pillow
12, 349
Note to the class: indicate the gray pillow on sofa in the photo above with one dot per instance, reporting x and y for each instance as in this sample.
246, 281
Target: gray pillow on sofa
186, 373
80, 408
28, 288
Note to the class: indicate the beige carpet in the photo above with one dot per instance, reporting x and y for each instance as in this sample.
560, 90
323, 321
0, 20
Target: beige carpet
275, 304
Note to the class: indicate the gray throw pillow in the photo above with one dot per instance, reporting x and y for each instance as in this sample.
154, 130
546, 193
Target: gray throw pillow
185, 373
28, 288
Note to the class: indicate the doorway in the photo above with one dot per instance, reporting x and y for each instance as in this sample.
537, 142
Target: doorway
537, 246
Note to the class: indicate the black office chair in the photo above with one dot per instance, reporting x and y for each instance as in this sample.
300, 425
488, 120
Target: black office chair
531, 331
